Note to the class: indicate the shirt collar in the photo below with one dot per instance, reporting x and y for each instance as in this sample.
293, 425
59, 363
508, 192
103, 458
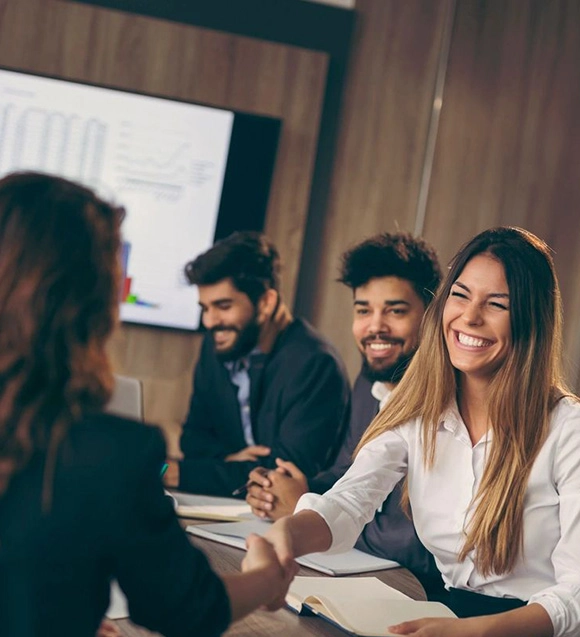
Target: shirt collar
242, 363
451, 418
380, 392
452, 421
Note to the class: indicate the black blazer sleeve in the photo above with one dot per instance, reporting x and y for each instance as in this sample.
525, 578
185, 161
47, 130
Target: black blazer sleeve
313, 415
108, 518
169, 584
301, 416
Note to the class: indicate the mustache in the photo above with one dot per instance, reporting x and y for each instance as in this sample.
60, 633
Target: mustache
382, 338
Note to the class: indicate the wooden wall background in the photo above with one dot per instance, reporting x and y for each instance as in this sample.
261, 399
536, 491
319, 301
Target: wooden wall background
380, 147
507, 149
131, 52
509, 142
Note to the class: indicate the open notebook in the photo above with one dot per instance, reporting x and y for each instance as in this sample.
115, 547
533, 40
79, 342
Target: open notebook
235, 534
362, 606
205, 507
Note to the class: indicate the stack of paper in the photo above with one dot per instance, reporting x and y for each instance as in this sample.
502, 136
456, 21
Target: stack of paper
352, 561
205, 507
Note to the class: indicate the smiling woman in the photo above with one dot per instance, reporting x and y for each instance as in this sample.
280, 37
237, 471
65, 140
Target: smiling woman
487, 435
476, 319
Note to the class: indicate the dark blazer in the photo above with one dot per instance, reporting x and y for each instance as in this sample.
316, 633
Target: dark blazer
391, 533
299, 404
109, 518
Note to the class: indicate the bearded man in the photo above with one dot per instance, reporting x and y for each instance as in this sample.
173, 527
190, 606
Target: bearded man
266, 385
393, 278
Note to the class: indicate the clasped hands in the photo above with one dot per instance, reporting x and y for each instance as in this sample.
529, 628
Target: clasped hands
272, 494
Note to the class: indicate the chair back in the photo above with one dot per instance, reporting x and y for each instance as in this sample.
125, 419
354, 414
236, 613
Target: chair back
127, 398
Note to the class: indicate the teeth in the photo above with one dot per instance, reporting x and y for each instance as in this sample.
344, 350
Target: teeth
380, 346
470, 341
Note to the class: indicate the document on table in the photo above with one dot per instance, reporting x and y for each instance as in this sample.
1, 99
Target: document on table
349, 562
359, 605
205, 507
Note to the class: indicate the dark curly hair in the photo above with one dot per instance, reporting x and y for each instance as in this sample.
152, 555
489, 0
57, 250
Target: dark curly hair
59, 277
249, 259
393, 254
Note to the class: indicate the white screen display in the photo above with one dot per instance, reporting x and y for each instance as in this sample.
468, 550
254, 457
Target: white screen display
163, 160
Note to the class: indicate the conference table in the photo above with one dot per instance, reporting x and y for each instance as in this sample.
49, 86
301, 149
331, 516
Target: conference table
283, 622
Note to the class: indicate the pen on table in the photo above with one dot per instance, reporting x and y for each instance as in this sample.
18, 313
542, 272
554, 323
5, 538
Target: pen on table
250, 483
164, 469
243, 488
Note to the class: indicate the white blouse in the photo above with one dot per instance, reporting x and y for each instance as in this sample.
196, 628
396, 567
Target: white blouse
548, 569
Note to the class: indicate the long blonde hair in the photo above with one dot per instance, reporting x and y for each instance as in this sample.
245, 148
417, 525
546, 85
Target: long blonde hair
521, 395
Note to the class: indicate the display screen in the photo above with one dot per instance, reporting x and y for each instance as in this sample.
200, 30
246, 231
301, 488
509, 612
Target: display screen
164, 161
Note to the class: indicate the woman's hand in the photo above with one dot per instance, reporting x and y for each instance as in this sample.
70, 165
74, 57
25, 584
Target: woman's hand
280, 537
261, 556
299, 534
108, 629
436, 627
263, 583
529, 621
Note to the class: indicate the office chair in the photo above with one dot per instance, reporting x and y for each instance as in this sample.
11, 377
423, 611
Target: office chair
127, 398
127, 401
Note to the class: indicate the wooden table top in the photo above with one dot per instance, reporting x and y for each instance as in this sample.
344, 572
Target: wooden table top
283, 622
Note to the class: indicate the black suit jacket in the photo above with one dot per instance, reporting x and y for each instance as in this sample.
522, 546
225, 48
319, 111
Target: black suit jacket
299, 404
109, 518
391, 533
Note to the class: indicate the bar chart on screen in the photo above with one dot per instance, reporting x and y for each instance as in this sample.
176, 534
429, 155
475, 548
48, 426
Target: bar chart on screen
164, 161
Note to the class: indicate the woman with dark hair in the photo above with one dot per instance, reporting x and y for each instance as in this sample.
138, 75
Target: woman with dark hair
81, 499
489, 440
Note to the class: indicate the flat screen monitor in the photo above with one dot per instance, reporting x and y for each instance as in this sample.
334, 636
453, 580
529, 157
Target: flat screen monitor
186, 174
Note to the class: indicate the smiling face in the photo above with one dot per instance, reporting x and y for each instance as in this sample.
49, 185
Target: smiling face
387, 318
476, 318
231, 318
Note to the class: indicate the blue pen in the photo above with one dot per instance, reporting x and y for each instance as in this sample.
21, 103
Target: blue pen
164, 469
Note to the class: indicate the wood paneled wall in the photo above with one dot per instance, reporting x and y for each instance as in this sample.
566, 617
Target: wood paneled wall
381, 145
507, 150
131, 52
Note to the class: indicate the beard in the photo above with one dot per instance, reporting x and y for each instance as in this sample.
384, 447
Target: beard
391, 374
246, 339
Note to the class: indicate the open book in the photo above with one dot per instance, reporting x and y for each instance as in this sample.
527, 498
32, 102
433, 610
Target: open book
205, 507
353, 561
362, 606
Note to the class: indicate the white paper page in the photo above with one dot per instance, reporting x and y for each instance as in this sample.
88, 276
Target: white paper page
350, 562
211, 507
362, 605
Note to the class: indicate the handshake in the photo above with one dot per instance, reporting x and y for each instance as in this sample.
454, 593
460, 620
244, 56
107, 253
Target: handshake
273, 555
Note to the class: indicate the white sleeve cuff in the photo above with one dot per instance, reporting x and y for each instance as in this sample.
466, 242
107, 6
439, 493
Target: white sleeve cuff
343, 528
564, 610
